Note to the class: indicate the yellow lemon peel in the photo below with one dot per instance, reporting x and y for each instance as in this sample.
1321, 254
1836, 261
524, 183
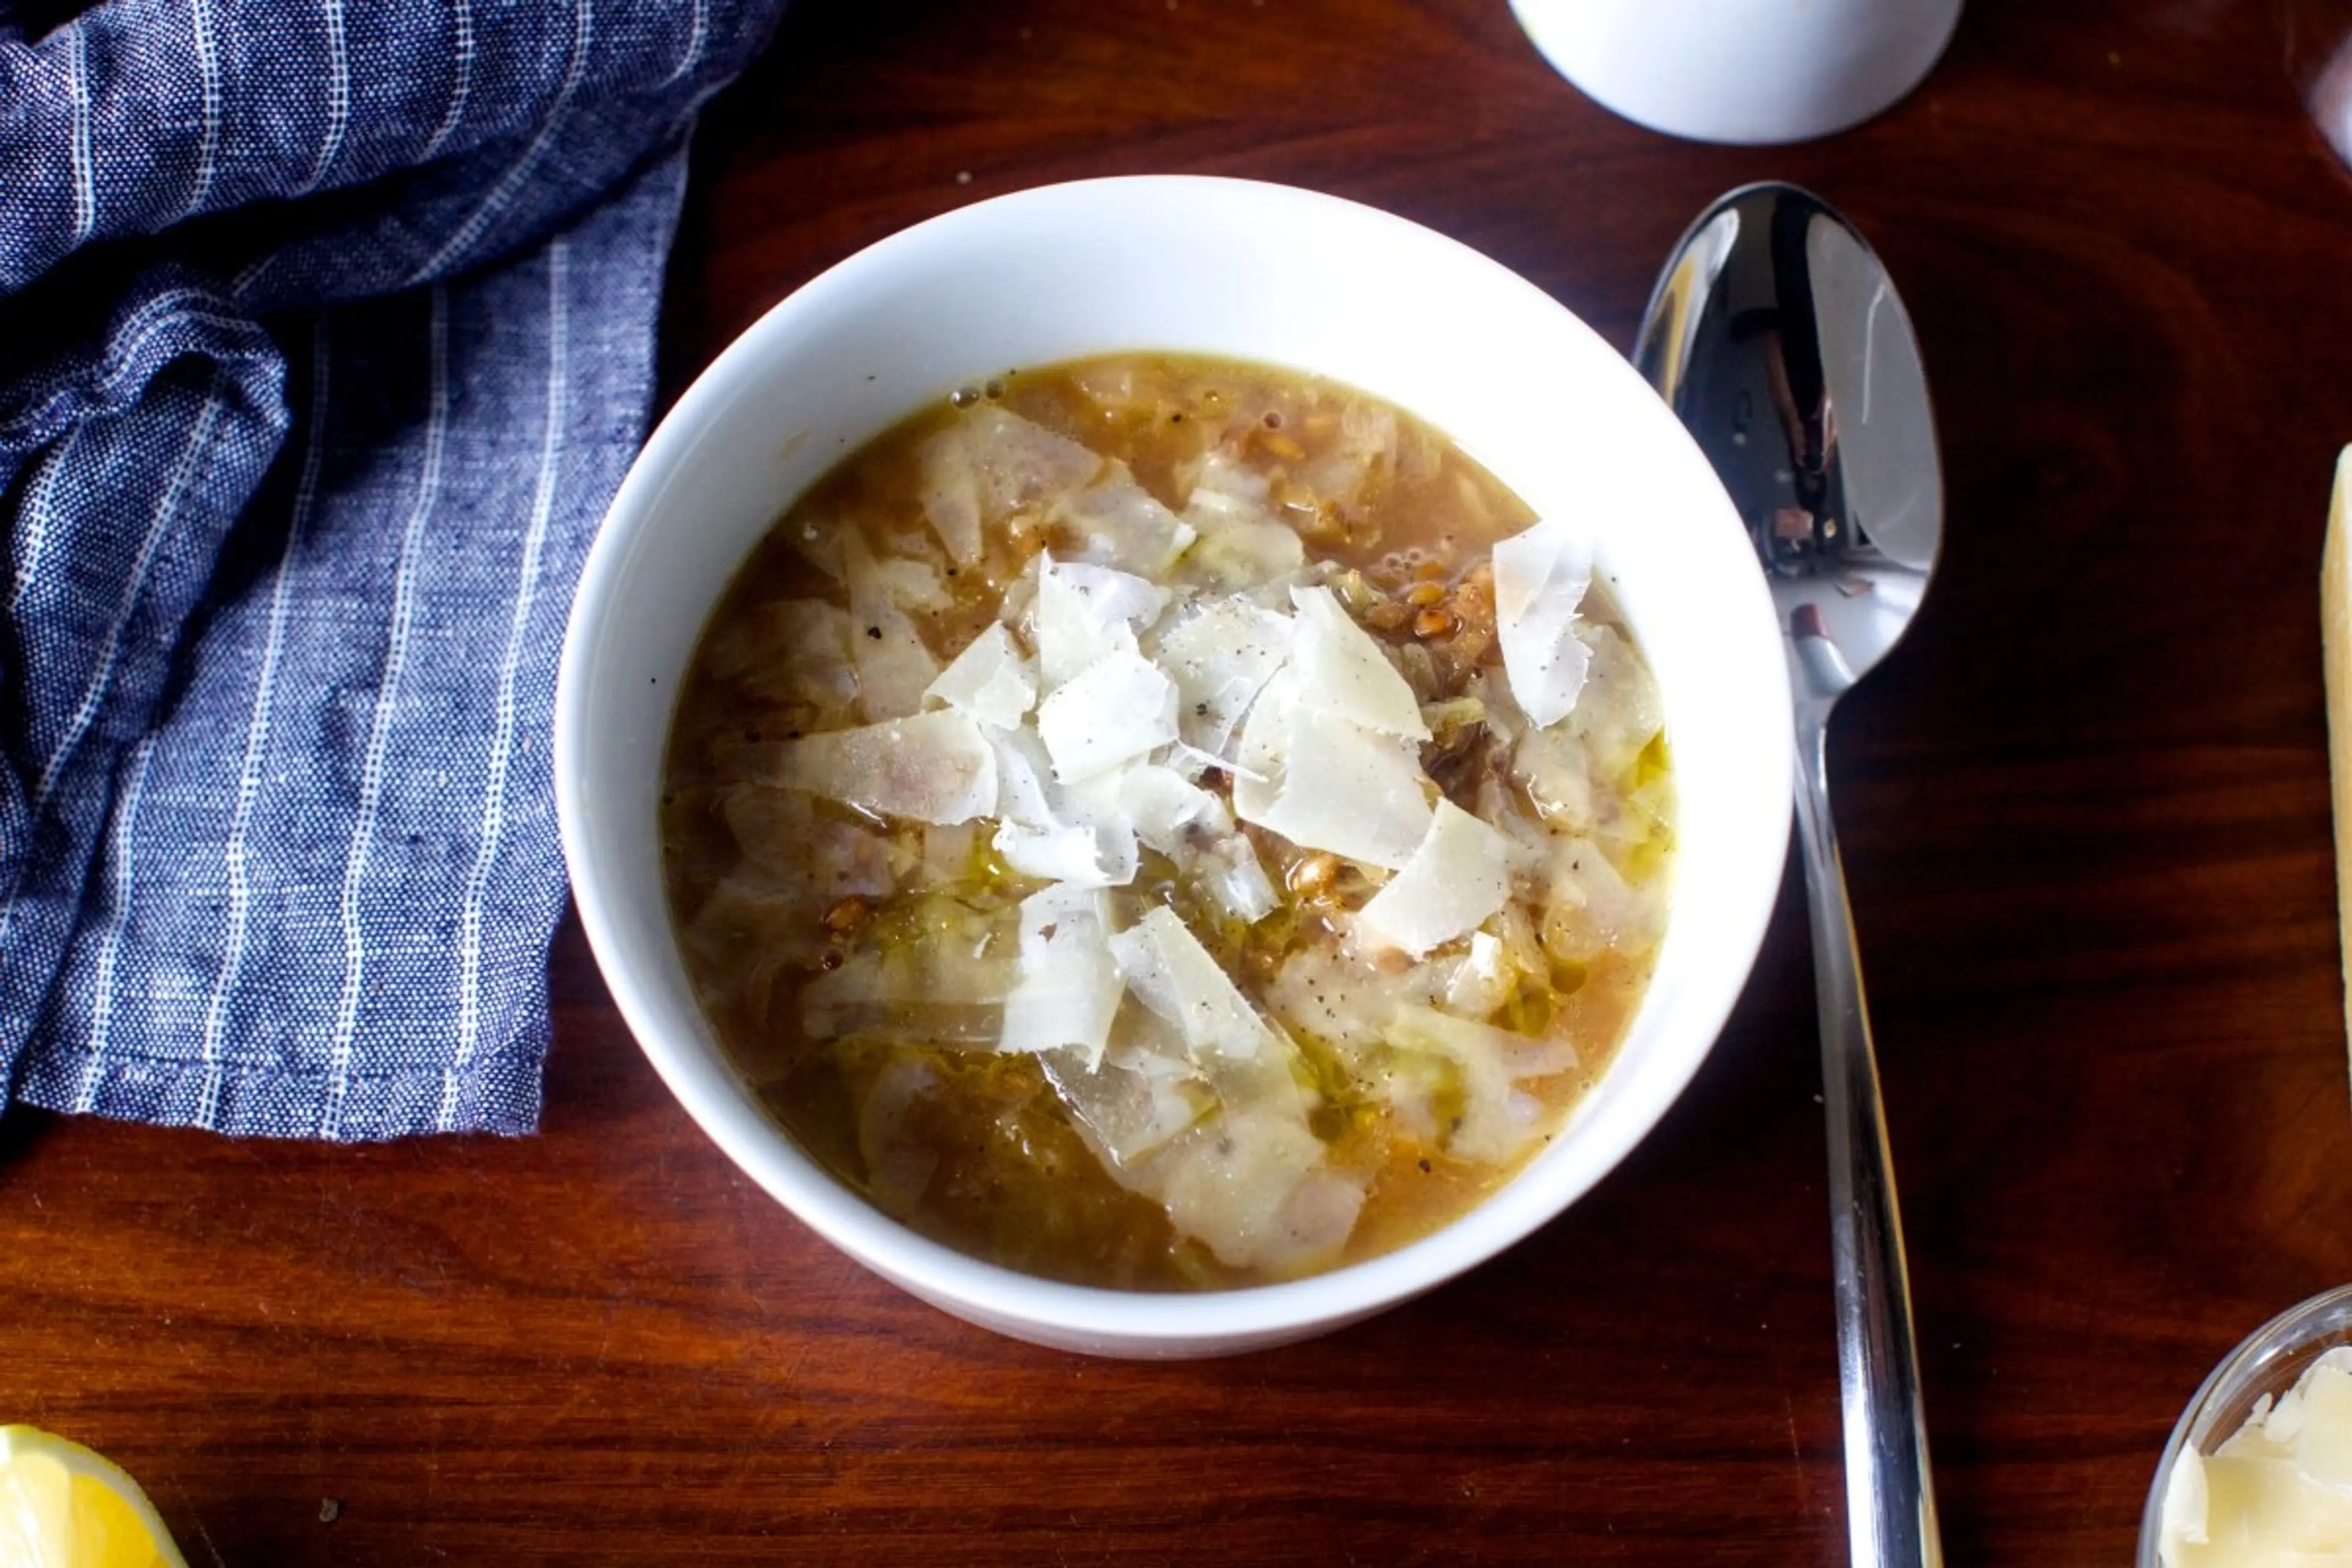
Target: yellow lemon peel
63, 1506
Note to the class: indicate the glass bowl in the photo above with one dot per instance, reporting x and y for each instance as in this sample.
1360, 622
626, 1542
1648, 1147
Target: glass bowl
2268, 1362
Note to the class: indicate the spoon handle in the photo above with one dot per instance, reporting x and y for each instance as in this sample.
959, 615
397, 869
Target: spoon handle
1889, 1494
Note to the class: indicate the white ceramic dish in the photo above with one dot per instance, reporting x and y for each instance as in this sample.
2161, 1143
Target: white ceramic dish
1221, 266
1751, 72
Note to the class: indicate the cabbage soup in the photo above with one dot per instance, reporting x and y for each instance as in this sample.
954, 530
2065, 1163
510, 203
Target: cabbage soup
1167, 824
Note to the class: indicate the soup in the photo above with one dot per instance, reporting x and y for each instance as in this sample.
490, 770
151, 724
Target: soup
1167, 824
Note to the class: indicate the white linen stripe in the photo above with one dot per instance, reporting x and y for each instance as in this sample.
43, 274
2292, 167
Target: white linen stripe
109, 947
257, 735
200, 29
697, 38
132, 337
111, 652
338, 93
583, 30
542, 509
40, 498
461, 86
403, 607
85, 713
85, 182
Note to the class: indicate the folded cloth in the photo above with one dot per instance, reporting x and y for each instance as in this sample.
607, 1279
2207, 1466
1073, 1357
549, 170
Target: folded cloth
325, 333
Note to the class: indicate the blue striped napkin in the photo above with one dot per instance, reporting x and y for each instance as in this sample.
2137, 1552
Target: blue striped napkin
326, 332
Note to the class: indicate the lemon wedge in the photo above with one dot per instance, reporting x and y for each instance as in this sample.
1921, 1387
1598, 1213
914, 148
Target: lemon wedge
62, 1506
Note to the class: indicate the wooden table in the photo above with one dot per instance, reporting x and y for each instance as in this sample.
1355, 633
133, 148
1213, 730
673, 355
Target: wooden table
2086, 819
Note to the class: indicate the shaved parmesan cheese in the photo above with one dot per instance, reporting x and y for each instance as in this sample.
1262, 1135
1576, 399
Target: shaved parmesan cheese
1329, 756
2323, 1430
2278, 1489
1072, 853
933, 767
1367, 435
950, 494
989, 681
1249, 1185
1085, 613
1195, 764
1242, 544
1459, 876
1541, 578
1260, 759
1047, 831
1127, 1110
1023, 776
894, 668
1325, 783
1121, 525
1172, 973
1118, 710
989, 464
1479, 984
1614, 732
1221, 653
1342, 671
1069, 985
1162, 805
1231, 874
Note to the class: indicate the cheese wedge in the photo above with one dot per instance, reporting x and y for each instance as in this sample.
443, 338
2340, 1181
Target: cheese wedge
2335, 649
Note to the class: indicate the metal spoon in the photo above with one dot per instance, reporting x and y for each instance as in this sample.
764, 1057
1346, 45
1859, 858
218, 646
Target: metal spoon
1776, 335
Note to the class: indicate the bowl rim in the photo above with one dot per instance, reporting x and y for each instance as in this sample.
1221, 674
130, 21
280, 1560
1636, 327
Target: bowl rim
2299, 1328
1007, 1299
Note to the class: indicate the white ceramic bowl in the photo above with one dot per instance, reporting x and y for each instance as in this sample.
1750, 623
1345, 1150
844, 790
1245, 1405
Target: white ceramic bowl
1222, 267
1749, 71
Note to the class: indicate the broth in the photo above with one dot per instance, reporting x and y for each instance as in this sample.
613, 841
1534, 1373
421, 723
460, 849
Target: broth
1032, 796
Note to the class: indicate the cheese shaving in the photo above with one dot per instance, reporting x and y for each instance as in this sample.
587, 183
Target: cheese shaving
1343, 673
1541, 578
894, 668
1163, 806
1221, 653
1119, 709
1085, 613
1172, 973
1128, 1108
933, 767
1325, 783
1245, 1184
988, 464
989, 681
1070, 986
1459, 876
1122, 525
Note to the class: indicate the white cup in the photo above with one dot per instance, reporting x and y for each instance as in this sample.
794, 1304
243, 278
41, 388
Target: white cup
1742, 71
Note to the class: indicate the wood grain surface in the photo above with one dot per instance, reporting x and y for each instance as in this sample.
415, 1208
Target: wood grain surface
2085, 822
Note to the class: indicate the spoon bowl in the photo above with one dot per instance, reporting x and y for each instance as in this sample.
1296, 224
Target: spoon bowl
1777, 336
